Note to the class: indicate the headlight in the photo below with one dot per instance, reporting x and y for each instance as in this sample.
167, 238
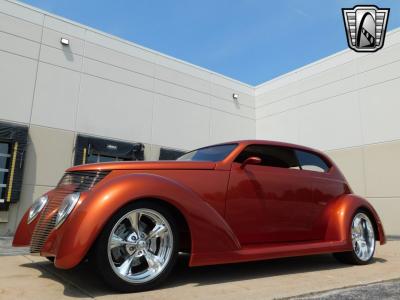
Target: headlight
37, 207
66, 207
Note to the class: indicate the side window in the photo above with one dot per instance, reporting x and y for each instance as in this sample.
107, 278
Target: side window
271, 156
311, 162
170, 154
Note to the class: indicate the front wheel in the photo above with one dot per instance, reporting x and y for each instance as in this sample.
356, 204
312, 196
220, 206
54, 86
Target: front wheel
138, 247
363, 241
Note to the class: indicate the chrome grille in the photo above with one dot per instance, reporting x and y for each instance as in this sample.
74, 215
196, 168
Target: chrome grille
82, 181
69, 183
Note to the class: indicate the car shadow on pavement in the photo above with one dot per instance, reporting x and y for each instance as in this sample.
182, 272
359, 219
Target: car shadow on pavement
89, 284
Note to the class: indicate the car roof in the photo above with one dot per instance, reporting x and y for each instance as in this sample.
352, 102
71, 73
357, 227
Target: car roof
269, 142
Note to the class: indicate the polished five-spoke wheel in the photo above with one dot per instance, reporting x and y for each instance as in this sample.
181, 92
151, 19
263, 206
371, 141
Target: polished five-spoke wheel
138, 247
362, 239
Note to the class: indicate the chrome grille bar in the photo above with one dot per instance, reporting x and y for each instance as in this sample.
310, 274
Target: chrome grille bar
80, 182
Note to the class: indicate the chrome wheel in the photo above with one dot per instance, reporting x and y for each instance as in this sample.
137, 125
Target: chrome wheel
363, 238
140, 245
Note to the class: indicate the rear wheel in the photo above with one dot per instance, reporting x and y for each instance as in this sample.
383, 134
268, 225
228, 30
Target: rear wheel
363, 241
138, 247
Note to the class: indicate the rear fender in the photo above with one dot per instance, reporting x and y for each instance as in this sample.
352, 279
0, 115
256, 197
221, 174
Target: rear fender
209, 231
340, 215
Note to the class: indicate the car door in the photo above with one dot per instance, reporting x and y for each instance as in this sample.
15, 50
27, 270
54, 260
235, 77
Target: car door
272, 201
326, 188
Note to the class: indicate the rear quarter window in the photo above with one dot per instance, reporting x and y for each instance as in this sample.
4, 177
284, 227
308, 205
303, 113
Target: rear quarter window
311, 162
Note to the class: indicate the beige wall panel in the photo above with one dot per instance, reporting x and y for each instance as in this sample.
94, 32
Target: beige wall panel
380, 107
331, 124
327, 77
226, 127
56, 97
118, 59
351, 162
65, 26
18, 45
21, 11
20, 27
175, 91
48, 154
382, 165
114, 110
182, 79
233, 107
118, 74
63, 58
52, 38
282, 127
17, 77
388, 210
179, 124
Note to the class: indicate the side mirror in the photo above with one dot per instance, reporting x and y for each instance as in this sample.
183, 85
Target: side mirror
252, 160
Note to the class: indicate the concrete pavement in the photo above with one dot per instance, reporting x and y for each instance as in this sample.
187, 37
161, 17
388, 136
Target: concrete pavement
32, 277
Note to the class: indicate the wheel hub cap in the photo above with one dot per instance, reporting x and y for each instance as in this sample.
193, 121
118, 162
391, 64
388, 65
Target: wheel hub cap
363, 238
140, 245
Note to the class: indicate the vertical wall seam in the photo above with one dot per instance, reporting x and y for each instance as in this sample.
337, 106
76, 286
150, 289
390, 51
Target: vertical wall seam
36, 73
358, 83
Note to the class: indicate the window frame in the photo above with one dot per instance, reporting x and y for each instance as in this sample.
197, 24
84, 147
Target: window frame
323, 159
294, 150
272, 146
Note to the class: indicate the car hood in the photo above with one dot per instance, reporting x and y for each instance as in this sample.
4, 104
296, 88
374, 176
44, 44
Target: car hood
146, 165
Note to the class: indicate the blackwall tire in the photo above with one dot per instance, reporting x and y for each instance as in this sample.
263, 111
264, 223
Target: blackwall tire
363, 237
135, 258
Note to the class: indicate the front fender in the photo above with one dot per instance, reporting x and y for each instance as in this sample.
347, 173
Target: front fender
340, 215
90, 216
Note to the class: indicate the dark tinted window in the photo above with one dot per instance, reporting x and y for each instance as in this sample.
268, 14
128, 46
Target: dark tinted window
272, 156
213, 153
170, 154
311, 162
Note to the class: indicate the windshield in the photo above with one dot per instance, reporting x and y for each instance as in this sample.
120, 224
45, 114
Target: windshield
212, 153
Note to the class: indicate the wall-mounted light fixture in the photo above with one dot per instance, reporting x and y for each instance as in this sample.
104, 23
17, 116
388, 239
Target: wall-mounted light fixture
64, 41
235, 96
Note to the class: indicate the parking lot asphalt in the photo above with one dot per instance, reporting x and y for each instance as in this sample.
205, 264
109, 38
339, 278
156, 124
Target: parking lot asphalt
312, 277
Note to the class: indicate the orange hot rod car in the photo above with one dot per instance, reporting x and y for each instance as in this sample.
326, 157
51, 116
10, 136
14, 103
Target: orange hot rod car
233, 202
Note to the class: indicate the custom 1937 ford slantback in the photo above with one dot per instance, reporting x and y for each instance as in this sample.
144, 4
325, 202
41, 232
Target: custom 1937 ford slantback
233, 202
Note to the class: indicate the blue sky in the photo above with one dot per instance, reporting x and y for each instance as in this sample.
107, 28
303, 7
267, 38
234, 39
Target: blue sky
249, 40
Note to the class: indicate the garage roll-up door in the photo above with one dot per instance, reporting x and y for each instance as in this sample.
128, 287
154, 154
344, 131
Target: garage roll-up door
91, 150
12, 150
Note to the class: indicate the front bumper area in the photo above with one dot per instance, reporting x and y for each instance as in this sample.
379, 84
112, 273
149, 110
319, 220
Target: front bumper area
45, 240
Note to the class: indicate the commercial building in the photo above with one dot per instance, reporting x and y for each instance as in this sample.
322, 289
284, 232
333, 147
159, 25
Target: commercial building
71, 94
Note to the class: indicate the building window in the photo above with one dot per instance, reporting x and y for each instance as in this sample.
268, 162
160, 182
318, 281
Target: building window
170, 154
12, 150
93, 150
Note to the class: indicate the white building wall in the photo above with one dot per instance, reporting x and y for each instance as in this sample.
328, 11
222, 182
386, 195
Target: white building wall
126, 85
103, 86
